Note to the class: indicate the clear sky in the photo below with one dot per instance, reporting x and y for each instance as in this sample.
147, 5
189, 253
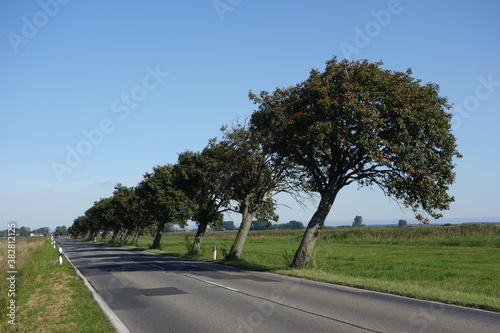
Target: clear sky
93, 93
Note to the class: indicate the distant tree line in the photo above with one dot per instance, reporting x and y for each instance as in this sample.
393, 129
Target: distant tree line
290, 225
228, 225
354, 122
263, 225
25, 231
45, 231
358, 222
62, 231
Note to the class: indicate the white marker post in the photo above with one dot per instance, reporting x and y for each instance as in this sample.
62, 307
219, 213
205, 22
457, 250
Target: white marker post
60, 256
215, 251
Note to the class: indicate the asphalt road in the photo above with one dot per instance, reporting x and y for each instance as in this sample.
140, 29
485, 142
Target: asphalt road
153, 293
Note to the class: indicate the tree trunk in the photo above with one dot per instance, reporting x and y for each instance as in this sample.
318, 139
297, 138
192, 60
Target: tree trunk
159, 233
124, 235
304, 253
136, 236
239, 242
93, 234
127, 235
116, 231
119, 235
202, 227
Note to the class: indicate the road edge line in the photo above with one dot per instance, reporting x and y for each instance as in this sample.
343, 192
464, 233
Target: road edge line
112, 317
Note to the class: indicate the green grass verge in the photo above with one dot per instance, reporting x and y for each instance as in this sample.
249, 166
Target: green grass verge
454, 264
49, 297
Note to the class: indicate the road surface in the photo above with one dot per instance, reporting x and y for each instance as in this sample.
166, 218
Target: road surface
154, 293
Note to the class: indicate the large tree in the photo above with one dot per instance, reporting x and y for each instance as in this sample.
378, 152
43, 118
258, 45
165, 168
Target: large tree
251, 177
101, 217
197, 176
79, 227
119, 201
62, 230
358, 122
163, 200
131, 215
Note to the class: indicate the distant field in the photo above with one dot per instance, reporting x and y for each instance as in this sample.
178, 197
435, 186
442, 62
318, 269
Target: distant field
453, 264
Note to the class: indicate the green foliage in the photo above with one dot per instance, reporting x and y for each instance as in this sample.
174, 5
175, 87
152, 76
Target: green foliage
24, 231
250, 177
356, 122
164, 201
228, 225
259, 225
289, 225
197, 176
169, 227
62, 230
128, 209
248, 174
358, 222
79, 227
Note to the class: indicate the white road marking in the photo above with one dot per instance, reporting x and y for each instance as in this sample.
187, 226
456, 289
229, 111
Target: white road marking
156, 266
220, 285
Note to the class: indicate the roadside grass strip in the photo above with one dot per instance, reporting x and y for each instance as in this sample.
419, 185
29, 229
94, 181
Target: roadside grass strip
49, 297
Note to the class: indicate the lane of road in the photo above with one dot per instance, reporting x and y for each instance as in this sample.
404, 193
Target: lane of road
155, 293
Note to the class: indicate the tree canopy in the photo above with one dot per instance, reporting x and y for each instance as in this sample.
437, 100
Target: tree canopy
358, 221
250, 177
197, 176
163, 200
356, 122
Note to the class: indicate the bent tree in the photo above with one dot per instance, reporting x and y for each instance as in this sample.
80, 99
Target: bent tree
163, 201
124, 210
197, 177
99, 217
250, 177
79, 227
357, 122
130, 212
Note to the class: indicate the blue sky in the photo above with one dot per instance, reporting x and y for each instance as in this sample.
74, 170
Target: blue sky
93, 93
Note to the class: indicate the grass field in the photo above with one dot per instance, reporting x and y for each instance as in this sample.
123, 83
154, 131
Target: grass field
452, 264
49, 297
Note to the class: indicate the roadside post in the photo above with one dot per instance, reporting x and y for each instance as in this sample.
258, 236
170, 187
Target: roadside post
60, 256
215, 251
